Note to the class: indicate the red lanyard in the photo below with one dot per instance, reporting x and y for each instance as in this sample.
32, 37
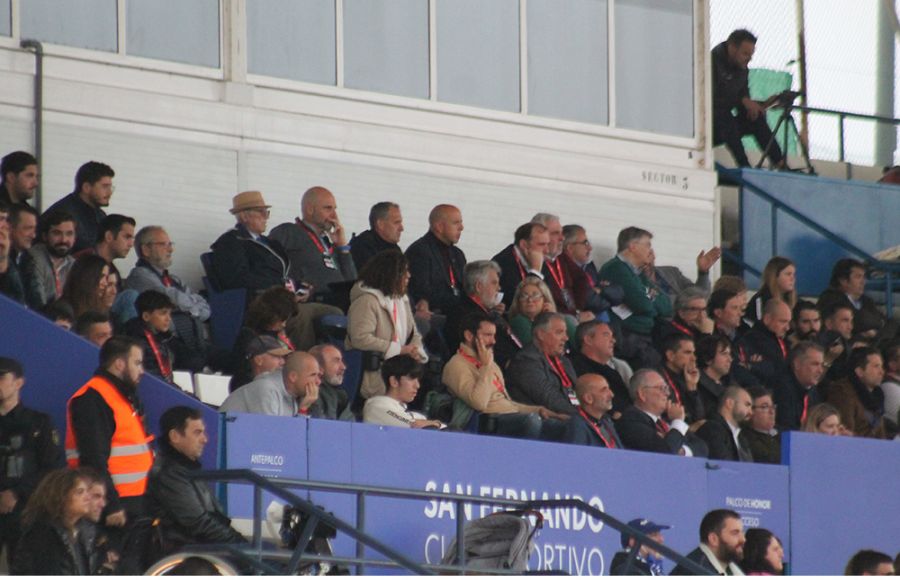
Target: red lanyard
452, 275
396, 330
558, 274
783, 346
672, 386
58, 280
165, 368
519, 264
166, 279
315, 239
285, 340
498, 384
593, 424
474, 298
661, 426
683, 329
805, 408
558, 369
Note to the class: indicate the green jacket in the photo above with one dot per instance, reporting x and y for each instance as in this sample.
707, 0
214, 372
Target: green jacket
638, 289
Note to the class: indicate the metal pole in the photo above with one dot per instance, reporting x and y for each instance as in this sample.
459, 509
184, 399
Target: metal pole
801, 71
460, 534
841, 137
257, 519
361, 526
38, 107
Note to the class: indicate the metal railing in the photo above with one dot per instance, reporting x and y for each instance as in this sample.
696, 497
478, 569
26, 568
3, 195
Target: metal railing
891, 270
842, 117
255, 556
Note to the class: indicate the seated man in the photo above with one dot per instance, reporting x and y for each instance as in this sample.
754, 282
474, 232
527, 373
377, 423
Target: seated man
115, 240
264, 354
436, 263
540, 374
689, 320
721, 545
12, 284
23, 222
288, 393
95, 327
869, 563
563, 286
188, 511
590, 293
645, 304
481, 284
472, 376
760, 435
642, 427
670, 279
93, 190
385, 228
806, 322
726, 310
592, 425
764, 349
731, 90
333, 400
859, 397
891, 385
799, 394
18, 178
316, 245
401, 376
48, 263
679, 371
717, 371
837, 339
647, 562
596, 342
524, 257
722, 430
847, 288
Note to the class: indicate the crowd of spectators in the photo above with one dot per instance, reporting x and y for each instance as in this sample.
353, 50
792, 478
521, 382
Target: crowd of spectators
536, 343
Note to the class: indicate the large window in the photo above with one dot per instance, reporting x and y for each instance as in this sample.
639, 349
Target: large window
83, 24
5, 18
177, 30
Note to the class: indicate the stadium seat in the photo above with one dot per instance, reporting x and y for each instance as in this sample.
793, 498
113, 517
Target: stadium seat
227, 307
184, 381
211, 389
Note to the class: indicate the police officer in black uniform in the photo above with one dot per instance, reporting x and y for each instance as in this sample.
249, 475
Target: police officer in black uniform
29, 448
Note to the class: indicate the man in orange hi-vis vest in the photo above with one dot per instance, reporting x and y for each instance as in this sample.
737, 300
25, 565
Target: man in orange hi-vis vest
105, 430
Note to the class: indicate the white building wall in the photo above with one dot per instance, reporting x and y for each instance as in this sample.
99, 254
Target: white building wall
183, 141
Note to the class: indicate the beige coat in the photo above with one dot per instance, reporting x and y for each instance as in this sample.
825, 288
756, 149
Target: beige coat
370, 326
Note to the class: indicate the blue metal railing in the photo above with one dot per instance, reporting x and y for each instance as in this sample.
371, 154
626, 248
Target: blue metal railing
891, 270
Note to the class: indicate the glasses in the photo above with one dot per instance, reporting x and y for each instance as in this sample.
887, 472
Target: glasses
535, 296
582, 243
167, 245
664, 389
767, 408
694, 309
261, 211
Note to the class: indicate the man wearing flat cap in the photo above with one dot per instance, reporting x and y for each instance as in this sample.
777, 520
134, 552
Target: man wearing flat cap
244, 257
648, 561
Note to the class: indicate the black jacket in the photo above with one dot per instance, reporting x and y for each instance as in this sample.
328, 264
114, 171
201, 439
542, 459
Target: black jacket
730, 83
239, 261
638, 433
531, 381
761, 342
580, 432
19, 287
87, 220
867, 317
507, 344
691, 400
764, 447
187, 510
790, 400
430, 261
364, 246
620, 559
583, 365
94, 424
720, 442
47, 549
511, 275
33, 450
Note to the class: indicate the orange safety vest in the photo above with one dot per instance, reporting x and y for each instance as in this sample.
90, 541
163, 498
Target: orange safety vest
130, 458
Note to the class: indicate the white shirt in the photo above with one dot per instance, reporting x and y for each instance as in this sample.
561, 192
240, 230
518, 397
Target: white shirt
680, 426
383, 410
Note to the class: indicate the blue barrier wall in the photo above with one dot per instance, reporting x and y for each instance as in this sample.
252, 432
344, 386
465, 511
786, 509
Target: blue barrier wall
844, 497
57, 363
626, 484
864, 214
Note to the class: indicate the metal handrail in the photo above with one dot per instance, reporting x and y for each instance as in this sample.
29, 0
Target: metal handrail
777, 204
842, 117
277, 488
735, 259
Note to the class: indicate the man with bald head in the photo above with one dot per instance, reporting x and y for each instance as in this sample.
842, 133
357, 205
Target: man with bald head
592, 425
316, 244
286, 393
436, 263
764, 348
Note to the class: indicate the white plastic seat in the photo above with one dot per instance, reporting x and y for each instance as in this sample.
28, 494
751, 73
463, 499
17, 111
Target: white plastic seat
211, 389
184, 381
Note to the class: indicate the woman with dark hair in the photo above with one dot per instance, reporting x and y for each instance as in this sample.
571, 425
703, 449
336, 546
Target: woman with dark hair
779, 280
57, 538
268, 315
86, 285
763, 554
380, 320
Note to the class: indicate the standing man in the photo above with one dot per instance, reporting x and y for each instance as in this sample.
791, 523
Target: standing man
93, 190
385, 228
18, 178
316, 244
592, 425
731, 90
105, 431
721, 545
645, 304
188, 511
436, 263
722, 429
32, 450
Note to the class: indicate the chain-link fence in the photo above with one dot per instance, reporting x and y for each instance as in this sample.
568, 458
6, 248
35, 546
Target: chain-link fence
842, 66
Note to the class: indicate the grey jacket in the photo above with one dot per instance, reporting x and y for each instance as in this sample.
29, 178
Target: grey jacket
308, 262
40, 271
265, 396
145, 277
533, 382
670, 279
